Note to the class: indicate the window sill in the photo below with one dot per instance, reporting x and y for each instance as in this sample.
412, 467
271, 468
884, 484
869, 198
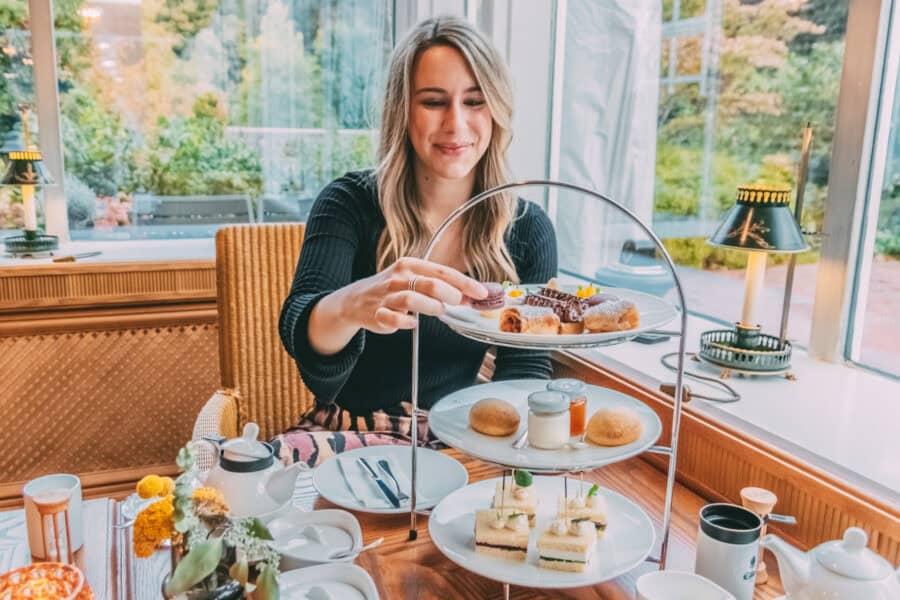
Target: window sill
836, 417
125, 251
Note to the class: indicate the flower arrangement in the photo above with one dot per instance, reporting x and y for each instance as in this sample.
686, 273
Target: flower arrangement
219, 553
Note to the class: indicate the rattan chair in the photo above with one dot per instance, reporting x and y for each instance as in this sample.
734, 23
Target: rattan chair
254, 269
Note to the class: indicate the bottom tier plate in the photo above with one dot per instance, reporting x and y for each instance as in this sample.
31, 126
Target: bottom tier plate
628, 540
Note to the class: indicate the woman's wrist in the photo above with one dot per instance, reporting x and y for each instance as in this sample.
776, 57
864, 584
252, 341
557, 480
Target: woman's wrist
331, 323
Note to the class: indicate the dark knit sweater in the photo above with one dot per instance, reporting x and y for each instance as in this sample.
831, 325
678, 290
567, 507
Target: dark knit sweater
373, 371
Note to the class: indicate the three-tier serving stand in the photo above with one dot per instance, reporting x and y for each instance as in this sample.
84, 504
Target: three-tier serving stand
671, 451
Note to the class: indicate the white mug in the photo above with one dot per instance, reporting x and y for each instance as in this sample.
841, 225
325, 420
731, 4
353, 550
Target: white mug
678, 585
728, 546
51, 487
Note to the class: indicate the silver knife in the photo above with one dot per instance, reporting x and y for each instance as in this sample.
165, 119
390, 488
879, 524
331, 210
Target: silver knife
390, 495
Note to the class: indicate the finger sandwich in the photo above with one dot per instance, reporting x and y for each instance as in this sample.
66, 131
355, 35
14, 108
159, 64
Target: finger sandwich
516, 498
501, 534
590, 507
567, 546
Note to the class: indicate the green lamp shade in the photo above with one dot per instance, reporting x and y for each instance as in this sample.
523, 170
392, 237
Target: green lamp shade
25, 168
761, 220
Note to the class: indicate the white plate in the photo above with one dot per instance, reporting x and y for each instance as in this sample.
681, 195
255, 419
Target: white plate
627, 542
449, 421
342, 580
439, 475
307, 538
654, 311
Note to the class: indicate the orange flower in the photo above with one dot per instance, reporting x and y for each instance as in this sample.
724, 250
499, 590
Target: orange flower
153, 526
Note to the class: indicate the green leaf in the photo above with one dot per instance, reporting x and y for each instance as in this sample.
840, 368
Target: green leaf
593, 491
266, 585
523, 478
257, 529
185, 459
196, 566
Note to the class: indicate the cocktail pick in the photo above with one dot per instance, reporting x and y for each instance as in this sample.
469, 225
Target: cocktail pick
566, 498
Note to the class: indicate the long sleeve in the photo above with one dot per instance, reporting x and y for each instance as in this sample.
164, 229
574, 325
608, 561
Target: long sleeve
333, 233
535, 242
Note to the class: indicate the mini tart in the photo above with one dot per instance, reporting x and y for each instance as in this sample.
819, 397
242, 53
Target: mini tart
591, 508
494, 538
570, 551
516, 499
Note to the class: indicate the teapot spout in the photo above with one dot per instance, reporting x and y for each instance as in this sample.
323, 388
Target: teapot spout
792, 563
281, 483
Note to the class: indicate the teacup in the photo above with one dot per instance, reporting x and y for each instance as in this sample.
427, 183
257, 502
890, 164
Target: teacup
678, 585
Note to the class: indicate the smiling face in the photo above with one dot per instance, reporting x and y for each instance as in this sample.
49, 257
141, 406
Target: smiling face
450, 124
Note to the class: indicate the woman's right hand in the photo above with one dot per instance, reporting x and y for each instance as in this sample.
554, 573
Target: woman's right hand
383, 302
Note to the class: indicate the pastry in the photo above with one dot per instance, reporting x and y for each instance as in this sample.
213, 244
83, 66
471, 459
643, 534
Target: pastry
552, 283
568, 308
501, 534
613, 427
571, 327
613, 315
516, 498
590, 507
493, 416
599, 298
529, 319
566, 546
491, 304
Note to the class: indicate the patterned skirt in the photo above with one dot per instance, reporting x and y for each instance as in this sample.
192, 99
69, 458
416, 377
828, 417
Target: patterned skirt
329, 429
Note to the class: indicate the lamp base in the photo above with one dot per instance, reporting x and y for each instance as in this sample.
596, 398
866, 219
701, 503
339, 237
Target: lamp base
31, 242
745, 349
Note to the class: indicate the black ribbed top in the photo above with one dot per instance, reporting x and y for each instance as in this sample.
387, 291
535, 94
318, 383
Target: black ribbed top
373, 371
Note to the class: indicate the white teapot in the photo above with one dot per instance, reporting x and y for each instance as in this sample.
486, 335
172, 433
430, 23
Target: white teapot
837, 570
250, 476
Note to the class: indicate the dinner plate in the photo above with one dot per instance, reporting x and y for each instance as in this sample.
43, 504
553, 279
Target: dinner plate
449, 421
338, 581
655, 312
439, 475
627, 542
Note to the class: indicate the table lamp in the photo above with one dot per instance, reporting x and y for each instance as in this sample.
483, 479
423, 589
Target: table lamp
759, 223
25, 169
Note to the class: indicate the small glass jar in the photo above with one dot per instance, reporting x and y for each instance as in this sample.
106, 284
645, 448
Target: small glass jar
576, 391
548, 419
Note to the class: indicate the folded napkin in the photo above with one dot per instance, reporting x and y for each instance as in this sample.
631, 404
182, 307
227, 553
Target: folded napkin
363, 487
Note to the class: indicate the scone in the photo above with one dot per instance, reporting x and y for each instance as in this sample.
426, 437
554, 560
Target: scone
566, 546
501, 535
614, 427
493, 416
590, 507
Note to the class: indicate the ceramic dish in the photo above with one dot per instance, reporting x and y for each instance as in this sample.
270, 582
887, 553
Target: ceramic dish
308, 538
654, 312
449, 421
45, 580
678, 585
341, 581
627, 542
439, 475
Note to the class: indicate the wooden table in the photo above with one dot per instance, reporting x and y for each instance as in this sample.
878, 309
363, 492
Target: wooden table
401, 569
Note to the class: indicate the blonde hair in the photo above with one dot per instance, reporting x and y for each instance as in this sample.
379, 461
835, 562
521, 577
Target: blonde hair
485, 254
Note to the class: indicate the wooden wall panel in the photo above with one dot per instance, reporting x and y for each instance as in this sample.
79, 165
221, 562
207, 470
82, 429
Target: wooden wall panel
716, 462
100, 401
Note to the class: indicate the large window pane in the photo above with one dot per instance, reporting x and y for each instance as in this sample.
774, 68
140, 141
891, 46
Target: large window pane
736, 84
179, 117
16, 102
879, 346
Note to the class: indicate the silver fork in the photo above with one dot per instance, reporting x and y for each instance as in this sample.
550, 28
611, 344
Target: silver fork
386, 467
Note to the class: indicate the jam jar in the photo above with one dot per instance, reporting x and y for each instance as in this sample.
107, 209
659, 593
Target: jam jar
576, 391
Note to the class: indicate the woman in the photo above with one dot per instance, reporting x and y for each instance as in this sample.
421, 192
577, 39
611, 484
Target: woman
444, 134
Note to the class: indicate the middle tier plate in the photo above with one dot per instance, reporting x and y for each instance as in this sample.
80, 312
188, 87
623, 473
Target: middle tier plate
449, 421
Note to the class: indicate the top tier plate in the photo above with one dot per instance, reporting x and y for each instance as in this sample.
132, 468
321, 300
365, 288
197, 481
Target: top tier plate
448, 419
654, 312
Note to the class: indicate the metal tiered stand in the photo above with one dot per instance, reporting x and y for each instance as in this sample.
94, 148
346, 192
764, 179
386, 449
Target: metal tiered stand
671, 451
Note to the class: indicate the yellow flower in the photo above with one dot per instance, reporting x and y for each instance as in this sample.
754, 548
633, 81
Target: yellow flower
168, 487
150, 486
209, 502
587, 292
153, 526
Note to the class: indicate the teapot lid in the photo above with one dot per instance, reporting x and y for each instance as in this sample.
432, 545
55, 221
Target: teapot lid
246, 448
849, 557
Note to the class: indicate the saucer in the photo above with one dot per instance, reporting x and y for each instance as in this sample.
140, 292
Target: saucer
339, 581
307, 538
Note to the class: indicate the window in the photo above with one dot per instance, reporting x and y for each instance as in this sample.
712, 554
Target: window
732, 84
177, 118
876, 329
16, 102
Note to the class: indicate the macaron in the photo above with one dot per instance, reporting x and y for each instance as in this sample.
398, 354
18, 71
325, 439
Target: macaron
495, 297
